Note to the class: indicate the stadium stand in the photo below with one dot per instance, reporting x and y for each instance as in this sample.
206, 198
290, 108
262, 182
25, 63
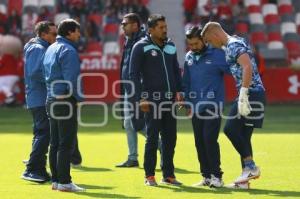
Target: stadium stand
99, 19
272, 26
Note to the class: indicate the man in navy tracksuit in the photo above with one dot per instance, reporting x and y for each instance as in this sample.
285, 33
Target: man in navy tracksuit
36, 94
203, 86
131, 25
62, 70
156, 76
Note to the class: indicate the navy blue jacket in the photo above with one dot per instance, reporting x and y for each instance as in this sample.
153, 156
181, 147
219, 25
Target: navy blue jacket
154, 68
35, 87
61, 62
203, 77
126, 56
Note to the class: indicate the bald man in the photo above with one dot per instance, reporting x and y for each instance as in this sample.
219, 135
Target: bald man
247, 112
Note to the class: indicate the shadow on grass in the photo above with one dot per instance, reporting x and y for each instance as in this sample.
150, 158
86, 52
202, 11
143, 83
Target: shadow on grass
86, 186
184, 171
39, 183
177, 170
91, 169
190, 189
263, 192
104, 195
273, 193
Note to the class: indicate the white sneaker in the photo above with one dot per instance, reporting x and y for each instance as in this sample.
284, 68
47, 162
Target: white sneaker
204, 182
248, 174
71, 187
216, 182
244, 185
54, 185
25, 162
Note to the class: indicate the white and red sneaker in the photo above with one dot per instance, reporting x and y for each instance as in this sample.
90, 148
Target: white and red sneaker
248, 174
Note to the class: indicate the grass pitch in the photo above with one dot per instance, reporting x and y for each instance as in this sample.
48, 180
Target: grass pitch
276, 151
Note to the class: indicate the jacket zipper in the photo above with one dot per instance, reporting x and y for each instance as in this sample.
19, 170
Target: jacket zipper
168, 82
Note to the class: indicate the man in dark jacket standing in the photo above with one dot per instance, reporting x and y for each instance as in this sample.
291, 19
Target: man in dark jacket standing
131, 26
36, 94
155, 73
62, 70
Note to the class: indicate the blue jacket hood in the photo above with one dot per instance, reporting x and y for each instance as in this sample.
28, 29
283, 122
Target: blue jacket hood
65, 40
36, 40
35, 87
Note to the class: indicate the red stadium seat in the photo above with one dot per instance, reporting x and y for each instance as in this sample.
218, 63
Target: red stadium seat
94, 47
272, 19
15, 5
254, 9
293, 49
285, 9
96, 18
274, 36
145, 2
264, 2
234, 2
111, 28
258, 37
242, 28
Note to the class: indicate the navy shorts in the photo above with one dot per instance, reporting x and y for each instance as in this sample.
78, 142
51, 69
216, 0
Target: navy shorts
255, 119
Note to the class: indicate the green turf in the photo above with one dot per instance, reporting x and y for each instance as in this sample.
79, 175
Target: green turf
276, 151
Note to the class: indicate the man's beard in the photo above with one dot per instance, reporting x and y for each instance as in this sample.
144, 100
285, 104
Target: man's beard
198, 51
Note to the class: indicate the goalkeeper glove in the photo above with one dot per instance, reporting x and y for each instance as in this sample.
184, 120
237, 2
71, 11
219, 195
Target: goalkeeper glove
244, 107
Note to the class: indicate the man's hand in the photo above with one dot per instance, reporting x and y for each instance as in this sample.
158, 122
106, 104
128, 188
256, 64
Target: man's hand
179, 100
179, 97
244, 107
188, 112
144, 106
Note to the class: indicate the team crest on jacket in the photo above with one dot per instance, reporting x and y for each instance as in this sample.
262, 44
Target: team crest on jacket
190, 62
154, 53
208, 61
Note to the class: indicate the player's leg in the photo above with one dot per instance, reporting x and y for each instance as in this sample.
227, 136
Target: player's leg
150, 157
169, 137
211, 133
197, 124
234, 129
131, 135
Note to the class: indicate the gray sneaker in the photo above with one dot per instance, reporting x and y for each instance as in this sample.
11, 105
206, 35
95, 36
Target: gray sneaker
150, 181
71, 187
203, 182
54, 185
128, 163
170, 181
216, 182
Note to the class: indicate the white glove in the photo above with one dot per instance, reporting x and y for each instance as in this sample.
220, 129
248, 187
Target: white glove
244, 107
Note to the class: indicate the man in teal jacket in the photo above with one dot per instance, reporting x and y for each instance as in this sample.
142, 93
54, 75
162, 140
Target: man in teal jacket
36, 94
